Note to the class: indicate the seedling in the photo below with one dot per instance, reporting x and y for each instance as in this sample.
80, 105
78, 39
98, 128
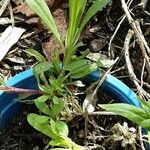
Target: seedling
140, 116
56, 82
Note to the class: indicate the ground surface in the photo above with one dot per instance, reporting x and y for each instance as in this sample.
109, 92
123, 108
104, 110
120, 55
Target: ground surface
96, 36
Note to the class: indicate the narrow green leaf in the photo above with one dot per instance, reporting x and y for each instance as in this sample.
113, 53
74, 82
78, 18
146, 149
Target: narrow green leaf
40, 7
98, 5
36, 54
80, 72
39, 70
77, 65
85, 53
43, 107
1, 79
130, 112
56, 62
84, 71
145, 105
56, 85
23, 97
145, 124
42, 98
45, 89
76, 10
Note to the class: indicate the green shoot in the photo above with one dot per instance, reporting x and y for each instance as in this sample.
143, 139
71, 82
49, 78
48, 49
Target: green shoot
54, 81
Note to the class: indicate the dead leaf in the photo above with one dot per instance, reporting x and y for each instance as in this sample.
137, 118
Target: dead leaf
24, 9
87, 103
16, 59
4, 6
33, 20
5, 20
8, 38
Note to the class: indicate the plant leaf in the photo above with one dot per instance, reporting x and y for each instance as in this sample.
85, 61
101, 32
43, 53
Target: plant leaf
75, 65
40, 69
40, 7
59, 142
41, 105
62, 128
56, 62
45, 89
145, 105
133, 113
83, 71
56, 85
84, 54
145, 124
42, 98
76, 9
1, 79
57, 107
36, 54
53, 126
98, 5
41, 123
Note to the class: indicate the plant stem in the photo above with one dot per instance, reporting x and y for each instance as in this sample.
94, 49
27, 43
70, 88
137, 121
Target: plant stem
15, 90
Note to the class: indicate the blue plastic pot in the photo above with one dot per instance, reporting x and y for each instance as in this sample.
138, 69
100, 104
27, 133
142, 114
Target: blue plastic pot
9, 104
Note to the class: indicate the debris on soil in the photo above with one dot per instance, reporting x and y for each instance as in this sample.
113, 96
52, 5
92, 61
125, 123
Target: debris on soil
105, 34
9, 37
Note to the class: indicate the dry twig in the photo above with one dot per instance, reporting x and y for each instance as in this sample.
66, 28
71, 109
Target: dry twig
142, 74
101, 113
142, 93
116, 30
138, 34
5, 3
141, 140
12, 20
93, 99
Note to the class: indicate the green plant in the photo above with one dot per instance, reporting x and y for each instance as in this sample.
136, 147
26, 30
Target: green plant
140, 116
1, 79
56, 130
55, 82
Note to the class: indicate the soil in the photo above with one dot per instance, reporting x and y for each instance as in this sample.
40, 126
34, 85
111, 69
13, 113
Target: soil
19, 135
